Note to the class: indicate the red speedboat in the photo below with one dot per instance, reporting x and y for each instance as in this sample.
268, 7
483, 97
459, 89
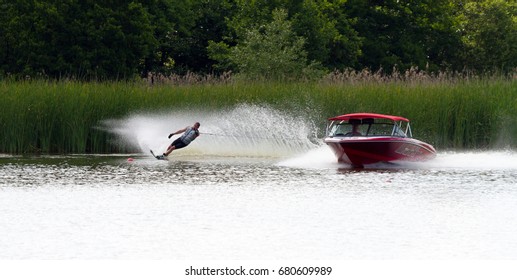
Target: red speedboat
366, 138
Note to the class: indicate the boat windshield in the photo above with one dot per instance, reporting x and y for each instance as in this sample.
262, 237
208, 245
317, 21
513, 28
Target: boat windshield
365, 128
397, 131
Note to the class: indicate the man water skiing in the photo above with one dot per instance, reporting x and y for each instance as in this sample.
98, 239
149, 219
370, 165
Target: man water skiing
189, 134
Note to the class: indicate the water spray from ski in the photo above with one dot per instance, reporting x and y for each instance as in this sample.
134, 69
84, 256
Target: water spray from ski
246, 130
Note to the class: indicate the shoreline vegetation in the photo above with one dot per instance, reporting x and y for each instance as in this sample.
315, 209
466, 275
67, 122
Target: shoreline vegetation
448, 110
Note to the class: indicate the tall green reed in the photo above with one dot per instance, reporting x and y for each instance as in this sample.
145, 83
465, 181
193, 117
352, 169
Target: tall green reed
62, 117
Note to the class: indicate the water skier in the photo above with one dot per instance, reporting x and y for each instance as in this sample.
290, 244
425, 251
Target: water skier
190, 133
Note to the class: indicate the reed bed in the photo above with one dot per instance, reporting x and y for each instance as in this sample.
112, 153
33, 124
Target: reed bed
63, 116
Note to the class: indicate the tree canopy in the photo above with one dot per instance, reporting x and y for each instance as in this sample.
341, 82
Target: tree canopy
276, 39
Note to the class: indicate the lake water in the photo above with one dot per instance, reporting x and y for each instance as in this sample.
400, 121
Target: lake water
305, 206
257, 184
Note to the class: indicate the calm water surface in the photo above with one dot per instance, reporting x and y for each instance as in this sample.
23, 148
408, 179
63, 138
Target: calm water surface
458, 206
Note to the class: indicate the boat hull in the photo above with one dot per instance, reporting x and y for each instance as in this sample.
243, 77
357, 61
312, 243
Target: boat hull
359, 151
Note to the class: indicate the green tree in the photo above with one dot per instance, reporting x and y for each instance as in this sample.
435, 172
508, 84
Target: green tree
207, 23
184, 30
273, 52
117, 37
403, 34
489, 34
83, 39
173, 23
16, 42
330, 38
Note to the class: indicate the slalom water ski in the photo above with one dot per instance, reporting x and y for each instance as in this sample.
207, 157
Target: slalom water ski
160, 157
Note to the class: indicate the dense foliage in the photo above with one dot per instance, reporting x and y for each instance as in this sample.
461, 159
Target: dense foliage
87, 39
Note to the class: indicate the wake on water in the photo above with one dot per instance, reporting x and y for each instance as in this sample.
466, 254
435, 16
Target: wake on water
259, 131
